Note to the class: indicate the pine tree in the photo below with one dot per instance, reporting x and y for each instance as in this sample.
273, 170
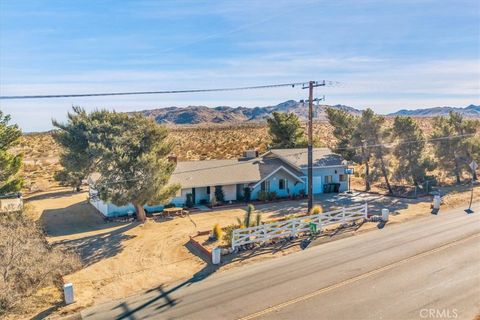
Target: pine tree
455, 143
10, 164
371, 130
74, 157
286, 131
130, 153
360, 139
409, 150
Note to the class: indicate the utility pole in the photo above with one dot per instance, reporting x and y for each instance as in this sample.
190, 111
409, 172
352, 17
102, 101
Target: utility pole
310, 87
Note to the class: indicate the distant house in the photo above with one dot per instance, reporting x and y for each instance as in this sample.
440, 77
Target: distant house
279, 171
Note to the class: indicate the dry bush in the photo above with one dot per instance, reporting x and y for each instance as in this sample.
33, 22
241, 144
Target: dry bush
28, 262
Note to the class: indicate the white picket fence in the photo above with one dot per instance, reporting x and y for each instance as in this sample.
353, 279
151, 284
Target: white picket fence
289, 228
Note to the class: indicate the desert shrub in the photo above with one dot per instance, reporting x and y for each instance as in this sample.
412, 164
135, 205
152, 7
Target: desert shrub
28, 262
228, 233
189, 202
213, 202
289, 216
219, 194
247, 194
263, 195
248, 215
316, 210
240, 222
217, 232
272, 195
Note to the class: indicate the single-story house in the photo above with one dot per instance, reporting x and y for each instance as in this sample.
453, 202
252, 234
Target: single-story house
279, 171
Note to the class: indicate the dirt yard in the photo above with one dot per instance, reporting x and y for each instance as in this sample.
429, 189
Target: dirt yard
123, 258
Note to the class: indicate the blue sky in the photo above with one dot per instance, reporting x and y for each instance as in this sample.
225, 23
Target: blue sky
385, 54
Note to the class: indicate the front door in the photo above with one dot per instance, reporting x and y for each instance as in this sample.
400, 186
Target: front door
317, 184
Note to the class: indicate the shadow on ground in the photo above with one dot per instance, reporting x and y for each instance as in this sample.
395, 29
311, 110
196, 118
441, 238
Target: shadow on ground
160, 297
97, 247
51, 195
76, 218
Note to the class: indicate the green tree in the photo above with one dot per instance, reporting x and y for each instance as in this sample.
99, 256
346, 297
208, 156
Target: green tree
10, 164
455, 143
409, 150
371, 132
130, 153
360, 139
72, 138
286, 130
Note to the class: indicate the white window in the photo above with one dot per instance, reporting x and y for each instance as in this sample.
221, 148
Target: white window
328, 179
265, 185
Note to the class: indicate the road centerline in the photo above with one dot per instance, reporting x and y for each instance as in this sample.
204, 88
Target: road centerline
357, 278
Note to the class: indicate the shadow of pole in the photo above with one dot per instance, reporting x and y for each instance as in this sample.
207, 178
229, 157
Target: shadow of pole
166, 294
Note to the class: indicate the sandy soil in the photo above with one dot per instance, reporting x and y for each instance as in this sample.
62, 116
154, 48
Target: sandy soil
121, 259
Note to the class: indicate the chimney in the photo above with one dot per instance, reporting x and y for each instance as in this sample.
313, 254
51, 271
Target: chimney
172, 158
249, 154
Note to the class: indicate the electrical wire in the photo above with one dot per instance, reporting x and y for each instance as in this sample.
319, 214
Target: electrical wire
303, 152
103, 94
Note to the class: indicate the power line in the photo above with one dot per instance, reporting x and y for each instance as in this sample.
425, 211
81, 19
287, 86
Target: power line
103, 94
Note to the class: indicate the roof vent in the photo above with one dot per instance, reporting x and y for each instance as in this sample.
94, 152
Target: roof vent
249, 154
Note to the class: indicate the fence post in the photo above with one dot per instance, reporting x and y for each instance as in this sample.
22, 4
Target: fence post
343, 214
366, 210
233, 239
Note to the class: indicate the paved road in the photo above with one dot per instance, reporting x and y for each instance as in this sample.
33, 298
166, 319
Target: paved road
423, 269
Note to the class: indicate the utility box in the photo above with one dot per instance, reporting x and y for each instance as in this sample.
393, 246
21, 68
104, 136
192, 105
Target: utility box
385, 213
68, 293
216, 254
436, 202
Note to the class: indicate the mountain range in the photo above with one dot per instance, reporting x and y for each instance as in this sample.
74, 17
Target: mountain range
226, 115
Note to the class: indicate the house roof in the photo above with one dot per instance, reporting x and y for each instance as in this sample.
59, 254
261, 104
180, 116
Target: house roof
299, 158
205, 173
224, 172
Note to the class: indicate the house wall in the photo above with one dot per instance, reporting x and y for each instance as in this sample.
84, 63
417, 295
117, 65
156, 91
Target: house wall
230, 192
319, 177
293, 186
110, 210
180, 200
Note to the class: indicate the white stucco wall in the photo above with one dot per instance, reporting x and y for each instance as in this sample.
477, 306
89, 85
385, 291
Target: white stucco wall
230, 192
